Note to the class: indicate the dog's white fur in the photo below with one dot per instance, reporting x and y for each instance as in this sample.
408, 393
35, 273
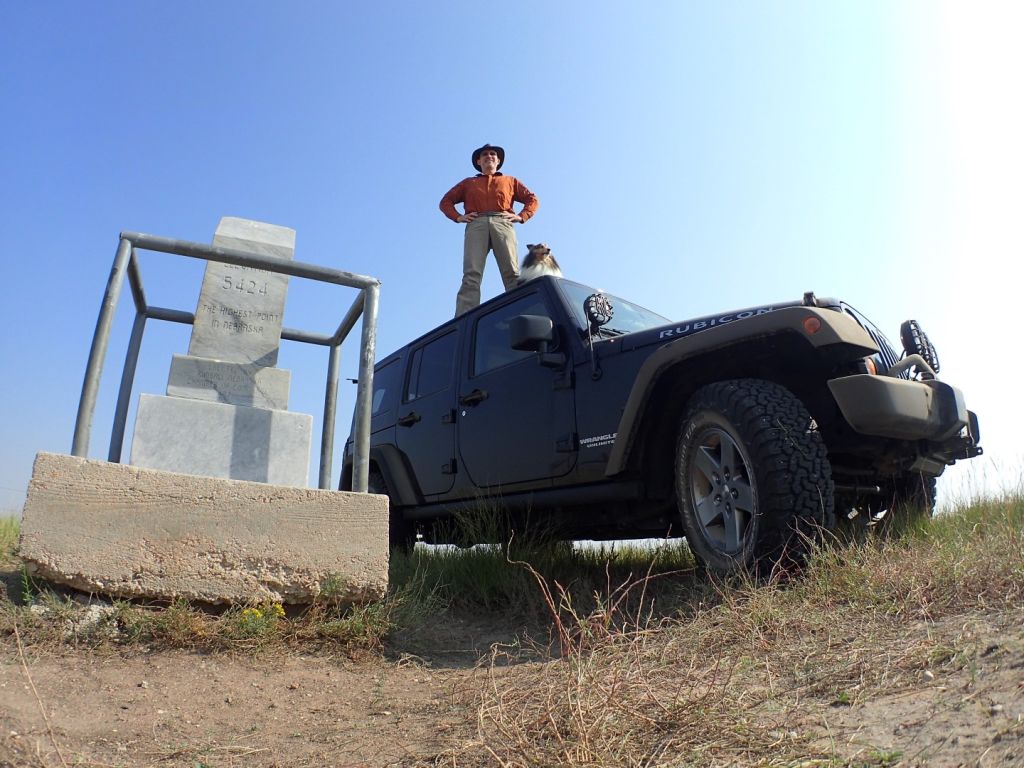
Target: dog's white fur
538, 261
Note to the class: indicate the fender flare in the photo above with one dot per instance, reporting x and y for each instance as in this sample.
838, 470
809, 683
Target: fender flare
393, 466
835, 329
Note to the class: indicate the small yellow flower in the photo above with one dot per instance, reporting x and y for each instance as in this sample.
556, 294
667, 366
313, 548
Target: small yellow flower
278, 610
252, 613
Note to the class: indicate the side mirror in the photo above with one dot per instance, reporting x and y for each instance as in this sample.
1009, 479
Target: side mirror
528, 332
534, 333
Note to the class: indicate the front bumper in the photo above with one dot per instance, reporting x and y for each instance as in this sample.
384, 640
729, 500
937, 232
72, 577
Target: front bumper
884, 406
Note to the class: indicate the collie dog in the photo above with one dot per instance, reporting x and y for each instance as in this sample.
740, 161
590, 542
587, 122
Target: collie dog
537, 262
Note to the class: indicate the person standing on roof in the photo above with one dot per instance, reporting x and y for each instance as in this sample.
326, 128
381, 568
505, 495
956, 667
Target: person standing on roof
487, 199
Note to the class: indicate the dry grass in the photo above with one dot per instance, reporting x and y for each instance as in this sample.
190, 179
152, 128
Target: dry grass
54, 621
745, 681
52, 618
646, 664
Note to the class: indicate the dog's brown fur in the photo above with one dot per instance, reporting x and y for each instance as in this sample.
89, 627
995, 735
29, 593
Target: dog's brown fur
538, 261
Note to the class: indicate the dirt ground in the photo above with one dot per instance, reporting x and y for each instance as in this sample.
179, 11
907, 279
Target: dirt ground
109, 708
971, 717
172, 708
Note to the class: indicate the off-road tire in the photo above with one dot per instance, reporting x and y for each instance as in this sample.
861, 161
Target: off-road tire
752, 445
401, 533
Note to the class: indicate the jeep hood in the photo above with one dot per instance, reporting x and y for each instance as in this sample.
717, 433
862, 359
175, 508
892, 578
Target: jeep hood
672, 331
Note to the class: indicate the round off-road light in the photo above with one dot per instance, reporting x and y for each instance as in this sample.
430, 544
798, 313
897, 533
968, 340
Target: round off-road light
812, 325
916, 342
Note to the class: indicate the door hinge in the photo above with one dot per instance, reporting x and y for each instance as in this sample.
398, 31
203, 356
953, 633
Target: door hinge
448, 417
565, 379
567, 443
450, 467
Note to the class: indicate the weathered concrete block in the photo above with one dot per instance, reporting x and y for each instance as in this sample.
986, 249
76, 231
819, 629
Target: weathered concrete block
200, 378
220, 440
131, 532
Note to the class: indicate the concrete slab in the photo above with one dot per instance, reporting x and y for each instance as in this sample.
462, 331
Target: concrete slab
220, 440
127, 531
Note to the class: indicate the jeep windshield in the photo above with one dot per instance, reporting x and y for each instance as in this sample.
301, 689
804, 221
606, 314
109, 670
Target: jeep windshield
627, 317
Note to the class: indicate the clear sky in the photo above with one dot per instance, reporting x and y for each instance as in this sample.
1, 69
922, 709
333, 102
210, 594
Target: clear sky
693, 157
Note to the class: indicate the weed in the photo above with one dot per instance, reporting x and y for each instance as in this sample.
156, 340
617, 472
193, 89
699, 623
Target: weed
10, 528
334, 589
178, 625
884, 758
255, 623
28, 586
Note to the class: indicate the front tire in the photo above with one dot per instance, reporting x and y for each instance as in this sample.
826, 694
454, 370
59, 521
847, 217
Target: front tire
753, 481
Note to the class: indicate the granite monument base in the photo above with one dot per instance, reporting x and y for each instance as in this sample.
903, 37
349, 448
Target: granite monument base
126, 531
200, 378
219, 440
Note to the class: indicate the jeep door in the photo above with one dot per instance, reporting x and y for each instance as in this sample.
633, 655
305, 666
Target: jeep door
425, 431
516, 421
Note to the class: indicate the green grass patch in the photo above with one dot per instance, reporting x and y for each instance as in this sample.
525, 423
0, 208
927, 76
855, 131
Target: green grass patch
501, 577
53, 620
10, 527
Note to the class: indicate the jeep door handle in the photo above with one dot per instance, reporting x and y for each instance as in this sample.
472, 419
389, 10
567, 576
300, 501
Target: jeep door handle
475, 397
409, 419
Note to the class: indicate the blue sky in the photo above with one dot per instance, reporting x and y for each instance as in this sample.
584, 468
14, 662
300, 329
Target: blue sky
693, 157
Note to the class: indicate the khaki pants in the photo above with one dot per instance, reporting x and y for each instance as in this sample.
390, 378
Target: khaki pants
488, 232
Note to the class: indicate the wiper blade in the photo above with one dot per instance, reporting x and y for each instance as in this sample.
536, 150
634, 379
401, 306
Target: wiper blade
604, 331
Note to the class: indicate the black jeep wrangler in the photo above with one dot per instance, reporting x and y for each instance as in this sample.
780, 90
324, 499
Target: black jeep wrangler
737, 430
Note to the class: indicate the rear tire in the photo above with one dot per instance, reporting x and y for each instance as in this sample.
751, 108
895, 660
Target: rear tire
401, 533
753, 480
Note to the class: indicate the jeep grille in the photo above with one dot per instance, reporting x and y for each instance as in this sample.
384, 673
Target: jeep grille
887, 355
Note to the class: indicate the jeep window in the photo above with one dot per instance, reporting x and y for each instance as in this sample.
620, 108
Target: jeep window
492, 346
386, 381
628, 317
431, 367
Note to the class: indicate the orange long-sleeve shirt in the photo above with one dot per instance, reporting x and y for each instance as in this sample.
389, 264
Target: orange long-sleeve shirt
483, 194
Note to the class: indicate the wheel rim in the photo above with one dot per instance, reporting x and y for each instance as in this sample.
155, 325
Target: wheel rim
722, 491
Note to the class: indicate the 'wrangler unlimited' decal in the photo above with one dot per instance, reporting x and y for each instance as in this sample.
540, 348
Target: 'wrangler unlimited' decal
598, 440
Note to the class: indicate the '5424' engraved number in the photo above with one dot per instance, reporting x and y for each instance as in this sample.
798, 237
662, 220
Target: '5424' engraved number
242, 285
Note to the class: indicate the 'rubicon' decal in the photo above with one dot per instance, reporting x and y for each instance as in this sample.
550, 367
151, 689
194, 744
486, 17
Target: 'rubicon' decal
709, 322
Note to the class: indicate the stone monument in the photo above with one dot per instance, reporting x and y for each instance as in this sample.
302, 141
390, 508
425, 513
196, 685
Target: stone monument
225, 413
188, 520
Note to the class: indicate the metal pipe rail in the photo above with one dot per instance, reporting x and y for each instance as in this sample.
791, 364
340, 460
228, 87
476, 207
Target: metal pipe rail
126, 262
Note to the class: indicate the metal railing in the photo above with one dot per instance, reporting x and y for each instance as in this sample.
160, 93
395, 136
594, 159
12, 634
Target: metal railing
125, 261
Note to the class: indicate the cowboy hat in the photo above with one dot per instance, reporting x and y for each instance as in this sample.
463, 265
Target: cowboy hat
478, 152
